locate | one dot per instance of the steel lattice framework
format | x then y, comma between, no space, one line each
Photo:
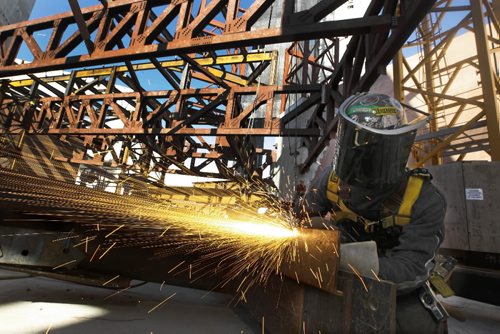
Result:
219,65
456,80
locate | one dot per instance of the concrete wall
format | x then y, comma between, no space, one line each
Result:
12,11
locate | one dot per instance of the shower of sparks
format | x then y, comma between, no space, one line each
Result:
237,239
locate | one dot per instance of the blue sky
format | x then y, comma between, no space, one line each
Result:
45,7
49,7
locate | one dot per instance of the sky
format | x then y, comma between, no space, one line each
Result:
44,8
49,7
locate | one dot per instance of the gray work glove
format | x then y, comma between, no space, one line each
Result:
362,256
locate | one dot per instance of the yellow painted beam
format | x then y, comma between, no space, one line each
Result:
175,65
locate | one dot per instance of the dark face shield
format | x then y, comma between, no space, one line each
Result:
372,158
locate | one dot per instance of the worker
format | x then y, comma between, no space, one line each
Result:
390,218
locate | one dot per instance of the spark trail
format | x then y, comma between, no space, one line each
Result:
235,239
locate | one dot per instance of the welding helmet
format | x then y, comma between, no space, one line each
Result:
373,140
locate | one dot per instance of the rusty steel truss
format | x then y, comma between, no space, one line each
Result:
178,86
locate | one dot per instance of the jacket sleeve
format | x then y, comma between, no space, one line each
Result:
316,202
409,264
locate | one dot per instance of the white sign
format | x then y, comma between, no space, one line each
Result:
474,194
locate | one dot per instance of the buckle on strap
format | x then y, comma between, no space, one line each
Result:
430,302
374,226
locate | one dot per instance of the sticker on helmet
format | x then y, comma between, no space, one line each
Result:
382,111
374,110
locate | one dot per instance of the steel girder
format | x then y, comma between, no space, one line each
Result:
111,25
233,102
458,86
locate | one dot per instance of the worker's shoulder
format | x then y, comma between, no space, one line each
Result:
429,194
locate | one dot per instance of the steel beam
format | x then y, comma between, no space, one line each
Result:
175,65
141,47
77,13
438,148
491,106
57,115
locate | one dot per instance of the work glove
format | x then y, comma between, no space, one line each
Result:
362,256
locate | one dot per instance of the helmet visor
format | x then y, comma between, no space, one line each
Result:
372,158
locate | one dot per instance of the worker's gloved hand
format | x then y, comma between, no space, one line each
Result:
362,256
